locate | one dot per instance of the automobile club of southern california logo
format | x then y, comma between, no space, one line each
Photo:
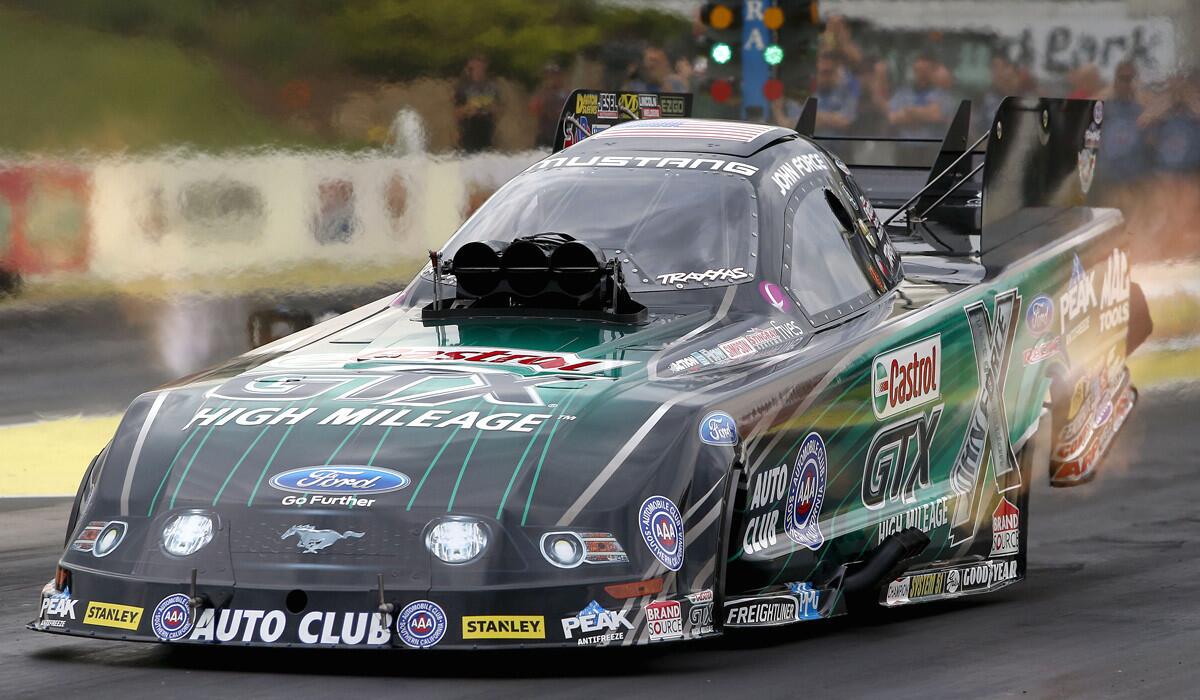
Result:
806,493
172,618
421,624
662,529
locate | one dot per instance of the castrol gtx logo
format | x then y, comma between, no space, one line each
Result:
907,377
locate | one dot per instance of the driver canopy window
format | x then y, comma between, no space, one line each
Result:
670,228
828,269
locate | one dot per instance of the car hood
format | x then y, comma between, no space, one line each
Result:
519,421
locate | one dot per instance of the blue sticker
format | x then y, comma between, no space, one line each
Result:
340,479
172,617
806,493
718,428
421,624
808,600
1040,314
662,529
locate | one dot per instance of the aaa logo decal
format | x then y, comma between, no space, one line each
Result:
662,529
421,624
806,493
172,618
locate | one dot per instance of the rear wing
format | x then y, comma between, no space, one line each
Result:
1039,160
588,112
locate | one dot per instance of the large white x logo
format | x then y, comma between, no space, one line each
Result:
988,425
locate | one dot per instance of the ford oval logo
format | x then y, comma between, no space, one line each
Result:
340,479
718,428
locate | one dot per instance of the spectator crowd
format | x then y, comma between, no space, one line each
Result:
1147,127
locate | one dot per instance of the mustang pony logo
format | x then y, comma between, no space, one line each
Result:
313,540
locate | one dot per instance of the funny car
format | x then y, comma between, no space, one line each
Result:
678,377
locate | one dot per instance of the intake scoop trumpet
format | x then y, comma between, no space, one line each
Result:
545,274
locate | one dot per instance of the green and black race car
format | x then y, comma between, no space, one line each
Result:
673,379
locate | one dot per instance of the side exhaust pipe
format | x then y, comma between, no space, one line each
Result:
882,560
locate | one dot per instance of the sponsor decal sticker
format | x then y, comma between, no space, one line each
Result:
897,591
126,617
927,585
610,624
607,107
987,574
616,161
664,620
890,475
953,578
531,360
1114,293
586,103
808,600
662,529
768,489
629,105
421,624
700,619
1006,528
806,493
172,618
731,274
718,428
773,294
1078,299
761,612
671,106
926,517
503,627
1040,314
649,106
1042,350
339,480
737,348
268,626
791,172
987,431
907,377
59,605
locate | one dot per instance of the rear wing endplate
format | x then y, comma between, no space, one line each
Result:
1039,160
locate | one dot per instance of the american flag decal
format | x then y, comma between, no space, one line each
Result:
688,129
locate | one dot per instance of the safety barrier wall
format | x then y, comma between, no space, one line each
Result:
194,214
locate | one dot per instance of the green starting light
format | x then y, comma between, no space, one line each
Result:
721,52
773,55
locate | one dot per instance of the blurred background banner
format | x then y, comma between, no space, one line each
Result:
181,181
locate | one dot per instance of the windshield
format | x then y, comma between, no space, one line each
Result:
671,229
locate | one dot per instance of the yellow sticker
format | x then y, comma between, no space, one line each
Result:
504,627
586,103
125,617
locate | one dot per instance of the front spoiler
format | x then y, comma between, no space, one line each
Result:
134,610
